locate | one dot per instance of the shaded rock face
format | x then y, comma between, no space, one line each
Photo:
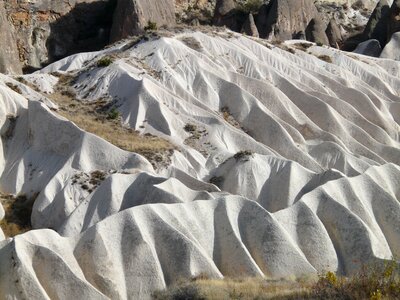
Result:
315,31
377,27
132,16
285,19
227,14
49,30
333,34
9,56
370,48
249,27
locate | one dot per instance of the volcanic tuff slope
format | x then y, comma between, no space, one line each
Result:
287,162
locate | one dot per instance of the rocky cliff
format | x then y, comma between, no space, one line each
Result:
42,31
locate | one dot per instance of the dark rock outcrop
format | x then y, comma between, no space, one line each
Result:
132,16
227,14
371,48
377,27
249,27
285,19
315,32
9,56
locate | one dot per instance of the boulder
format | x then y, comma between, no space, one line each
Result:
285,19
370,48
315,31
9,57
394,19
377,24
392,49
132,16
249,27
333,34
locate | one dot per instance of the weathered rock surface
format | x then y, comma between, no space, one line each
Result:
285,19
305,154
49,30
392,49
371,48
9,56
377,27
132,16
333,34
315,31
249,27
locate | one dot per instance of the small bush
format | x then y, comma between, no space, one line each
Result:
105,61
373,282
113,114
190,128
243,155
250,6
14,87
326,58
151,26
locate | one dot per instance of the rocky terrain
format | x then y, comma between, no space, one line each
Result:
190,150
40,32
284,160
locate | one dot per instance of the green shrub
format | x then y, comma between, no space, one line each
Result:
113,114
151,26
250,6
105,61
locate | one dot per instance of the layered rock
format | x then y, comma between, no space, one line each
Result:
9,56
132,16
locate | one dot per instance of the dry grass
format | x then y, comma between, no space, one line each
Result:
100,119
325,58
18,212
376,282
245,288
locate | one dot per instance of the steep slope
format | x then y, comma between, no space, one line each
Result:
286,162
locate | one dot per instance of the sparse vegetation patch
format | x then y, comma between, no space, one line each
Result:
105,61
103,119
18,210
243,155
325,58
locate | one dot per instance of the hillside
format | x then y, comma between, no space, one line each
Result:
255,159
